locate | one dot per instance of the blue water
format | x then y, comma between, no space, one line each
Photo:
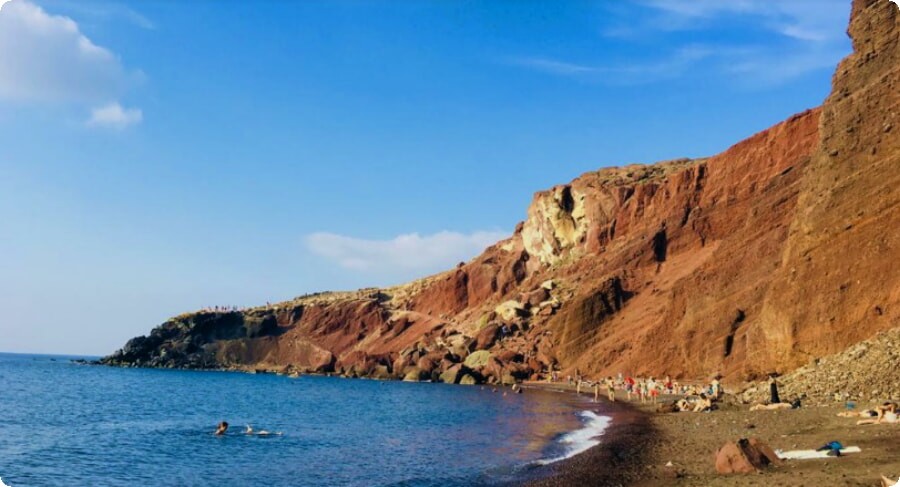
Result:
69,424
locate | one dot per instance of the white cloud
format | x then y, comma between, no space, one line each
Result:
412,251
46,58
115,116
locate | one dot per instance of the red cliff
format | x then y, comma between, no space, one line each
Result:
783,248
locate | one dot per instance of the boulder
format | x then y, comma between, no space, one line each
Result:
511,310
414,374
468,380
487,336
426,365
744,456
510,356
380,372
477,359
534,298
453,374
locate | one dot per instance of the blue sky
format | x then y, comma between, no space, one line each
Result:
163,156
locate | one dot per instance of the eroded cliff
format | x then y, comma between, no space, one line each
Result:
782,248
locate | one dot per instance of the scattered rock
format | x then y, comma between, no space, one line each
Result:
745,456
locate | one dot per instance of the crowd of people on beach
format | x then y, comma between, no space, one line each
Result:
694,397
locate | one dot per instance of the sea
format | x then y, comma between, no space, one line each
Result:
64,423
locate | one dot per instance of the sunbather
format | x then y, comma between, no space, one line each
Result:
703,404
886,413
770,407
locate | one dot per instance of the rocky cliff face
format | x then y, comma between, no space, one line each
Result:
783,248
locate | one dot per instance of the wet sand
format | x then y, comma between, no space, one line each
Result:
640,442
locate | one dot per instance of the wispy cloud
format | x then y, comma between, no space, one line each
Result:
801,36
553,66
407,252
114,116
672,64
105,11
810,20
45,58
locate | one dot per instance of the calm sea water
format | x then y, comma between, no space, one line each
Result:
68,424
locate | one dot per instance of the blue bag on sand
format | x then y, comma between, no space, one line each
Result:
834,448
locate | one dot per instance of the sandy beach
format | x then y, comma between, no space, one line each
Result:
640,443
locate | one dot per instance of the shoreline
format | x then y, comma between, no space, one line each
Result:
643,447
616,460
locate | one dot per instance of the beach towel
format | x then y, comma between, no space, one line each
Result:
812,454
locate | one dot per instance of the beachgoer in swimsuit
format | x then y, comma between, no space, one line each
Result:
611,389
887,413
221,428
629,387
771,407
703,404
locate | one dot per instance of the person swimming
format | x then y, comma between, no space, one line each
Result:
250,431
221,428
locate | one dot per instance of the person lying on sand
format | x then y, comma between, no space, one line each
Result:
703,404
865,413
886,413
221,428
770,407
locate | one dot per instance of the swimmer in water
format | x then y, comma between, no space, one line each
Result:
250,431
221,428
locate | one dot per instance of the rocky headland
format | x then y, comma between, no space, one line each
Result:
779,251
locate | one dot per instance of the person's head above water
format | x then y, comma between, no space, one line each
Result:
221,428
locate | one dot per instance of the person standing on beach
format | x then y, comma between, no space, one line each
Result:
611,389
597,391
629,387
773,389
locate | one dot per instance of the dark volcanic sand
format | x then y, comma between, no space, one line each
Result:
639,443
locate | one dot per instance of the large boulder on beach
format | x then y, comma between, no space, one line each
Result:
453,374
414,374
477,359
745,456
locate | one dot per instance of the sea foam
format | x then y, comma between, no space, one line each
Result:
582,439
